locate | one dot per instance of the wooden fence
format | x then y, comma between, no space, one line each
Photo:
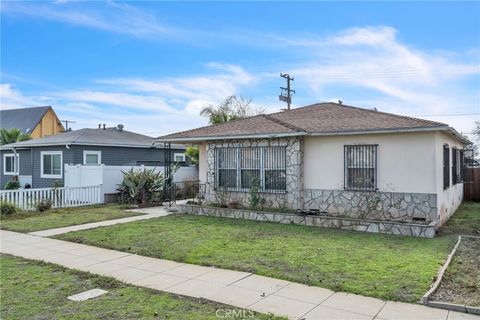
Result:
27,199
471,184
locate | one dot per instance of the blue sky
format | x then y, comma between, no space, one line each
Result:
153,65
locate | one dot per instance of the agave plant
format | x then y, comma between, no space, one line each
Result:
141,186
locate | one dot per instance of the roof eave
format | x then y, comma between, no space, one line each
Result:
395,130
323,133
9,147
231,137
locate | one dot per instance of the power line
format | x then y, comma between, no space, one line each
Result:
447,115
67,122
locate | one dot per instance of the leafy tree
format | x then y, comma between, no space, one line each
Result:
193,153
232,108
476,131
13,135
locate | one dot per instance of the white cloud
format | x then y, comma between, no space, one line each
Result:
373,60
209,86
152,107
125,100
109,16
12,98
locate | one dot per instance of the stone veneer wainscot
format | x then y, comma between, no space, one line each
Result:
412,206
374,226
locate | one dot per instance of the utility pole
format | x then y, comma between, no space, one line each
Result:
286,93
67,122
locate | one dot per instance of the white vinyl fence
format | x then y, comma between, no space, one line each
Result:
111,176
61,197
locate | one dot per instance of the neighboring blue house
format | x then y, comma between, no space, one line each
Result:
40,162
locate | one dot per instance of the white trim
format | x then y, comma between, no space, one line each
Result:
15,164
175,155
94,152
51,176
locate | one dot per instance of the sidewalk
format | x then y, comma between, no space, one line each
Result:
239,289
149,213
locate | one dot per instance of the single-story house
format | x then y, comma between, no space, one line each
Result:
342,160
40,162
38,122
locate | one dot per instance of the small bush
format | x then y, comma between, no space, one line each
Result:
12,185
7,208
44,205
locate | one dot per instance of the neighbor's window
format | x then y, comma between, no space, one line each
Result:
460,166
237,168
360,167
446,167
9,164
457,166
51,164
92,157
179,157
454,166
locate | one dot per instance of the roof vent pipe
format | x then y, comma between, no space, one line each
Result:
104,126
120,127
99,126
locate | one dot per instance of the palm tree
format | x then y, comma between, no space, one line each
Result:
13,135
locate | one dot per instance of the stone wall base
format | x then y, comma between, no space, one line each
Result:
375,226
385,206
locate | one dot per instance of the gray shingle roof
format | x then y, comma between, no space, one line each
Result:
317,119
96,137
25,119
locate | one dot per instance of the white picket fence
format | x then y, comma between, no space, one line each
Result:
61,197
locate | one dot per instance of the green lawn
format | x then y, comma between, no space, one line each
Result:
35,290
383,266
466,220
25,221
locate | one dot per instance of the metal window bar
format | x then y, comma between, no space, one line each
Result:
360,171
237,167
446,167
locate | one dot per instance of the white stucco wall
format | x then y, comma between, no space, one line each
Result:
448,199
406,161
202,165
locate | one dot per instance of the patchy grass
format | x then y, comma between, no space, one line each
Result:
461,282
466,220
383,266
36,290
25,221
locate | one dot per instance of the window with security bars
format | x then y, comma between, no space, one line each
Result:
238,168
360,167
446,167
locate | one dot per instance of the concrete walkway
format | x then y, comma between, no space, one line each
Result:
239,289
148,213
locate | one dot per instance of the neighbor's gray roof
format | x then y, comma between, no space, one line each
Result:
25,119
317,119
92,137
